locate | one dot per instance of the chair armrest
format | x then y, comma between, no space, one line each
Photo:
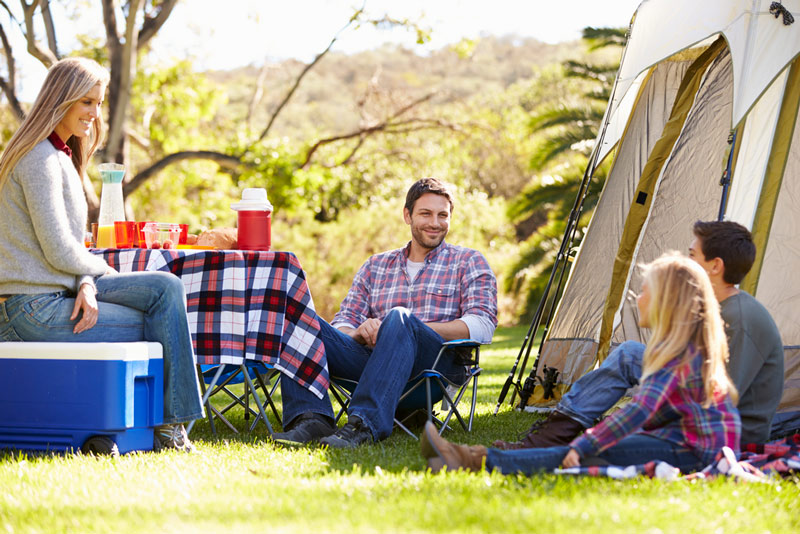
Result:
461,346
462,343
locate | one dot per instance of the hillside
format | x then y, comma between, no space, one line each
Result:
327,100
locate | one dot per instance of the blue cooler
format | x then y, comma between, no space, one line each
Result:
98,397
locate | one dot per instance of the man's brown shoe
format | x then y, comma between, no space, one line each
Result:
441,453
558,429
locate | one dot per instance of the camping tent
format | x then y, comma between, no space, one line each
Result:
692,74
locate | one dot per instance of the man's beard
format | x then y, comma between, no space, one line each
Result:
427,242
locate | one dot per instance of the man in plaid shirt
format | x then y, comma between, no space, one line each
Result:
402,306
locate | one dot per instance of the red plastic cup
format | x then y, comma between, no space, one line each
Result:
255,230
124,232
184,234
140,231
135,242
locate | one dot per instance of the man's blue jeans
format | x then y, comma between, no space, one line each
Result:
404,348
631,450
149,306
598,390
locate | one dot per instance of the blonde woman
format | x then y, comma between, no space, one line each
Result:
684,412
51,287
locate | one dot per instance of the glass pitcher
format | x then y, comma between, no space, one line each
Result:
112,207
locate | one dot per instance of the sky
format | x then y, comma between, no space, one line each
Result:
302,28
250,32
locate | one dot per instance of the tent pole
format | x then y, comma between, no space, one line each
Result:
560,262
725,181
564,249
566,244
536,322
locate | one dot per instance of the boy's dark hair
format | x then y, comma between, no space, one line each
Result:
427,185
729,241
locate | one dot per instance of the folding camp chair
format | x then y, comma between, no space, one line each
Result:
255,376
428,388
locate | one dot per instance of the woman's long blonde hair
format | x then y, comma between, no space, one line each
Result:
683,310
67,81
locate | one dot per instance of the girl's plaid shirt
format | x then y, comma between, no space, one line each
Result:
669,406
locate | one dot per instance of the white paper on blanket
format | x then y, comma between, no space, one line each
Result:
663,471
730,466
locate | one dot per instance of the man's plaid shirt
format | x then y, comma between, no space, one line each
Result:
455,281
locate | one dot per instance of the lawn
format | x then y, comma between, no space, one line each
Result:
243,483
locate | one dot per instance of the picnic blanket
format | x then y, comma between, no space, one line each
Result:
756,463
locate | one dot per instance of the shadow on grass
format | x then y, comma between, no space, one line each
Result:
395,454
400,451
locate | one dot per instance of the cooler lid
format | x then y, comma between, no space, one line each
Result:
29,350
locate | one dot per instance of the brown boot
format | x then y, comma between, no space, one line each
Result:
557,429
441,453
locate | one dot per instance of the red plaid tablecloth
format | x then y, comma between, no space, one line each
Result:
243,305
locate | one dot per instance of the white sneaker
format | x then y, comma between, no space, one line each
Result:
171,437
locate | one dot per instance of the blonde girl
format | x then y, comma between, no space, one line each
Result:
684,411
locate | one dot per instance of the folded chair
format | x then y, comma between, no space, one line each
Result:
254,375
428,388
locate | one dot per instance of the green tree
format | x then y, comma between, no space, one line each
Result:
128,30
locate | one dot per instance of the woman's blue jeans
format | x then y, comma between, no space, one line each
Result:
631,450
405,347
141,306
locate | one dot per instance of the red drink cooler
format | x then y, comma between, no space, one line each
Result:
255,230
255,219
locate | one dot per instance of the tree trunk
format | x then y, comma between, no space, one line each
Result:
35,48
49,28
123,68
9,85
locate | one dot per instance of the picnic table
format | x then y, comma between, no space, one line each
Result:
243,305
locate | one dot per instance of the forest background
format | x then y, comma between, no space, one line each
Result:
337,141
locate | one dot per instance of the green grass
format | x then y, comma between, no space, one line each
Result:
242,483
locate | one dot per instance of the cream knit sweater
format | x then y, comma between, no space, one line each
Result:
43,215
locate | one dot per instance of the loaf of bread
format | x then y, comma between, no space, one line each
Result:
221,238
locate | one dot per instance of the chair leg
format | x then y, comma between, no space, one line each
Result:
217,387
474,400
428,403
205,401
246,396
454,405
221,416
262,414
407,431
342,397
268,394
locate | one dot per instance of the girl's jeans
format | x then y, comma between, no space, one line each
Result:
631,450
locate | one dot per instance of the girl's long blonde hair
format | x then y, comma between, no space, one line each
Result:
683,310
67,81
